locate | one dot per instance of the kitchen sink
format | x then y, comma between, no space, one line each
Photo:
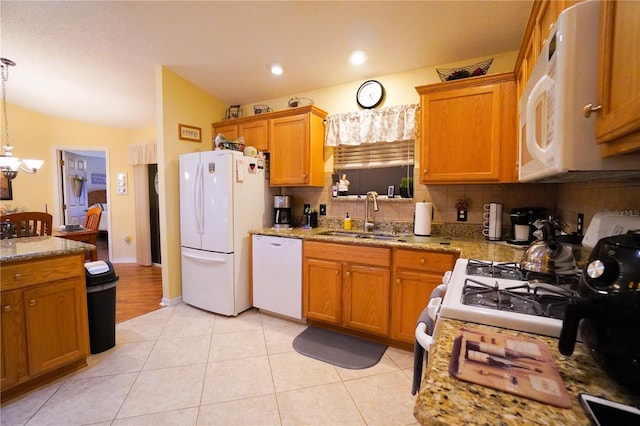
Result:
361,235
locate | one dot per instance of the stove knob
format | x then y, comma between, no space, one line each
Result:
605,271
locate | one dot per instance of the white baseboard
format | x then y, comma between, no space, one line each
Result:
171,302
124,260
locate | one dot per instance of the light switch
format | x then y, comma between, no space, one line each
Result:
123,186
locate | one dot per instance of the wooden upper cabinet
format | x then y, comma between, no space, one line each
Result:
544,14
293,137
297,149
230,131
618,122
255,133
468,130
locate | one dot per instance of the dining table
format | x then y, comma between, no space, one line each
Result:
84,235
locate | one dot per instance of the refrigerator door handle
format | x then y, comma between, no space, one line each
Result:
198,199
203,259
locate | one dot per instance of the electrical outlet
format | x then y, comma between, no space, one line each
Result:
307,207
462,216
580,224
323,209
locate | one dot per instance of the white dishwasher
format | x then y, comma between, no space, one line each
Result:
277,275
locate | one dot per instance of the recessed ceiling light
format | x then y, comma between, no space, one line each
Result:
276,69
358,57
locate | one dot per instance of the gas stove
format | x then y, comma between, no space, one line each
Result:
504,295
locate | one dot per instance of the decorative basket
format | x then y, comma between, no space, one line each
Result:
259,109
298,102
473,70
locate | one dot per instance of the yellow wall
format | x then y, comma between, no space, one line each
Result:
180,102
399,87
39,136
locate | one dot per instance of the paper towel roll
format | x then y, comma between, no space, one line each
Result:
422,221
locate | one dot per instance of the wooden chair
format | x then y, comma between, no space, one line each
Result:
92,220
26,224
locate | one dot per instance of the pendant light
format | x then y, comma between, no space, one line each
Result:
10,165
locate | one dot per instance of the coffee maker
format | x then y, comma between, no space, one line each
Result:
522,227
282,211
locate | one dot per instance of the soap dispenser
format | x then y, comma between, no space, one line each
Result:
347,221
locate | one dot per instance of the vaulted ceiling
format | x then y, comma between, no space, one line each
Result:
96,61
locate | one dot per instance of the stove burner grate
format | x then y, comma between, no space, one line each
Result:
508,271
540,300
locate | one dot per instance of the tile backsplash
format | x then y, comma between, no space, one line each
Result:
564,200
620,198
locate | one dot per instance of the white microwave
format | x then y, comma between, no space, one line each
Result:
556,140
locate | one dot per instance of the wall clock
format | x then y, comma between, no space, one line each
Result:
370,94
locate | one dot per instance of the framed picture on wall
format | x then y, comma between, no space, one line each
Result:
6,192
189,133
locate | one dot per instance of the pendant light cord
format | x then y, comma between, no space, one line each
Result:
6,63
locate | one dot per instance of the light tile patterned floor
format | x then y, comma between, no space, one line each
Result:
183,366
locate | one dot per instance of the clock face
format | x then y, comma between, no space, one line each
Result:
370,94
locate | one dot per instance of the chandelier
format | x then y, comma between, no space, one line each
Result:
10,165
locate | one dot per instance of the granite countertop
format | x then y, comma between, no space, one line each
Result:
466,247
18,249
445,400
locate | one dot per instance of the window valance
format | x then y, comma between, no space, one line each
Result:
396,123
143,153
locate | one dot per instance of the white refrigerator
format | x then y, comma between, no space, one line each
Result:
223,194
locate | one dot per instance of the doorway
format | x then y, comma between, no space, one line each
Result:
83,181
154,213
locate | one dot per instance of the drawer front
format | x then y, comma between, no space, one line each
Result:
19,274
366,255
427,261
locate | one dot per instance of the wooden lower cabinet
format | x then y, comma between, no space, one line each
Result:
366,298
44,321
323,290
352,287
13,341
347,286
415,274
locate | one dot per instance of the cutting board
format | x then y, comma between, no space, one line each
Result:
518,365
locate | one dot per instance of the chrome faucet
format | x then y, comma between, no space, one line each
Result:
368,226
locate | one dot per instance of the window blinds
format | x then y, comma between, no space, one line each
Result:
374,155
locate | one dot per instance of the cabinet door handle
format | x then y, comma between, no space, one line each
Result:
7,308
589,108
422,261
32,302
17,277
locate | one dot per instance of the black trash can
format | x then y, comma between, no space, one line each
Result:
101,282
